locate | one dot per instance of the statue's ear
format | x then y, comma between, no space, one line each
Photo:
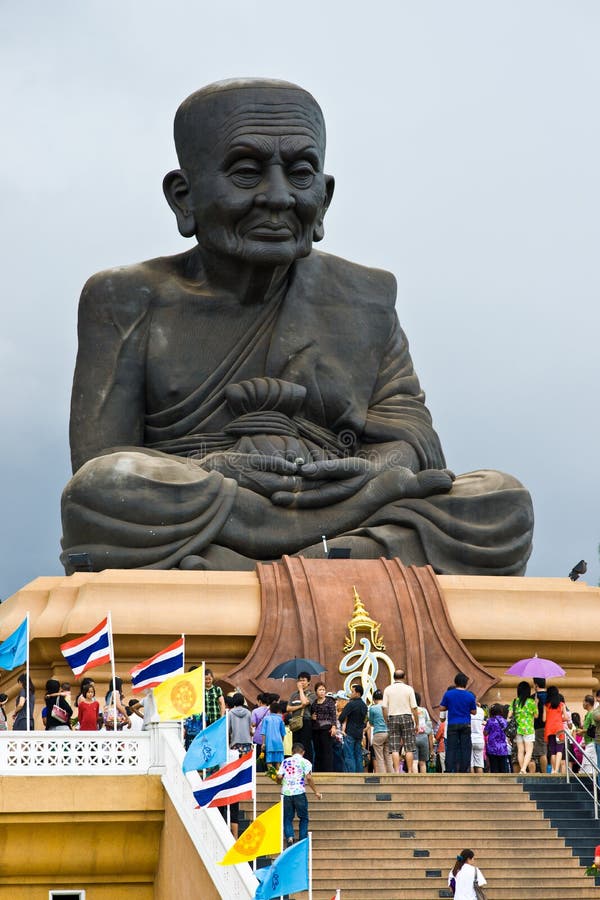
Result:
176,187
319,230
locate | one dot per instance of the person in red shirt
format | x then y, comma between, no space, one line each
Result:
88,710
555,717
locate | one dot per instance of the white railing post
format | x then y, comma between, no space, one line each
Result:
158,758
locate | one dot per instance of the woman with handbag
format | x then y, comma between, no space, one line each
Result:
524,710
112,702
465,880
58,709
424,738
324,716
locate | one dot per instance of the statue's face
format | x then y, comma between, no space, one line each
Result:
257,188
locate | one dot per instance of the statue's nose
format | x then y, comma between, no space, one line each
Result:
276,192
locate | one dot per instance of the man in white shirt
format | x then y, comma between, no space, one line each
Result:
400,712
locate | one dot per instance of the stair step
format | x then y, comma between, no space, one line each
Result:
431,888
403,858
446,847
358,848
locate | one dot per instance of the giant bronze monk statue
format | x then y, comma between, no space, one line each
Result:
237,401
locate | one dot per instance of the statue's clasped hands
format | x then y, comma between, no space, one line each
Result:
314,484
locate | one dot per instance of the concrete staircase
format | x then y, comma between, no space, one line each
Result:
570,810
396,837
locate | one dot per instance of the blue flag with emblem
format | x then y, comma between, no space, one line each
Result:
13,651
287,874
209,748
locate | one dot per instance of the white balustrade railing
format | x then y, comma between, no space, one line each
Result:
75,753
157,751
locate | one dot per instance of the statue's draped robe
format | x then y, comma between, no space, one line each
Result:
324,372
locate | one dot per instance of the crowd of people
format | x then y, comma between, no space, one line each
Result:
526,736
340,733
65,710
395,733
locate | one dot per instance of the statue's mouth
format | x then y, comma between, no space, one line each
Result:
270,231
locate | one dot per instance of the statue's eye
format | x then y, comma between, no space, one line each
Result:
301,174
246,173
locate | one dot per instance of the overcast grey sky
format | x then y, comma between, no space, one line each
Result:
465,141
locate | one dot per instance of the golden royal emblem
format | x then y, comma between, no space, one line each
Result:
362,621
184,697
363,662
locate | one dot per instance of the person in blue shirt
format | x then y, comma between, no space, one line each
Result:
459,704
273,733
379,736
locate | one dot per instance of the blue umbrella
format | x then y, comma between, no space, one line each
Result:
292,668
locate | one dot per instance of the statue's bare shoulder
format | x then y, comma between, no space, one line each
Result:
363,284
126,293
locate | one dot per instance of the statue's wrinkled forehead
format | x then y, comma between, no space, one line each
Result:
211,119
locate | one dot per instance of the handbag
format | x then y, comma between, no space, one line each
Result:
296,720
109,715
479,890
511,726
59,713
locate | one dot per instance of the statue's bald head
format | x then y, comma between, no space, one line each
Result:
251,155
220,110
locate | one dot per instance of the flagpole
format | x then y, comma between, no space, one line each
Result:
182,721
27,671
203,704
203,695
282,834
112,669
254,749
226,761
310,865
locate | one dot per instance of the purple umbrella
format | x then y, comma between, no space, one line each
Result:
536,667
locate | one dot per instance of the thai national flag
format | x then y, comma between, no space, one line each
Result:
234,782
155,670
93,649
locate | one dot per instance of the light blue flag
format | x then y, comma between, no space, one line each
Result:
289,873
209,748
13,651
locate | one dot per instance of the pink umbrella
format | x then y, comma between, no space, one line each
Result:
536,667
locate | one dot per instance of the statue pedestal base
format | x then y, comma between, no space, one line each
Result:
241,622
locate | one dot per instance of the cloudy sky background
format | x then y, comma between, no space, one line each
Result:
465,141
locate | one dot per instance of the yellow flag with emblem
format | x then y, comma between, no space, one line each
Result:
181,696
261,838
